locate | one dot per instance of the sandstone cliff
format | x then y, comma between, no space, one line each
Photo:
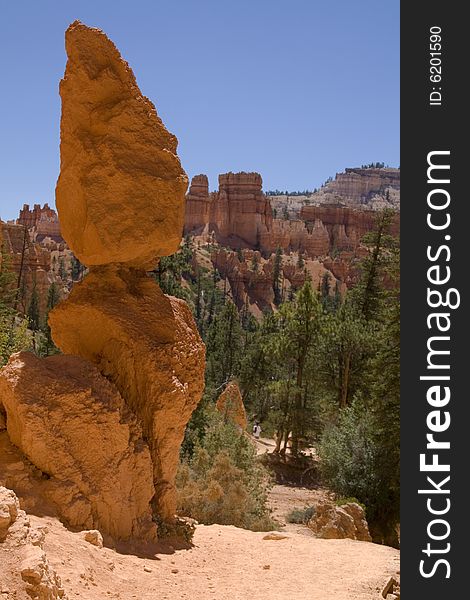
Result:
238,212
358,187
41,222
239,215
33,265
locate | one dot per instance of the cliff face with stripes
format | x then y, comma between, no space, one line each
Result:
239,215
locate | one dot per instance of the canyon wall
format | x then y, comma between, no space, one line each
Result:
239,215
357,187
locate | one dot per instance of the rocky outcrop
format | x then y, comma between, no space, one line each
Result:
250,277
41,222
145,342
238,213
230,405
31,266
148,345
74,426
19,541
198,206
360,186
118,162
345,226
338,522
240,216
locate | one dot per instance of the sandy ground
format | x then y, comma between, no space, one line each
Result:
225,563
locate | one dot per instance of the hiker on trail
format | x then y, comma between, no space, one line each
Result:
256,430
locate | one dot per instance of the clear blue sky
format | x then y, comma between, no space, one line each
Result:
294,89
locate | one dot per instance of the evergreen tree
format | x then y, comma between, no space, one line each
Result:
77,269
369,292
33,309
224,342
47,346
62,271
277,272
294,348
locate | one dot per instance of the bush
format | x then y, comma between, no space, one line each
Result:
224,482
355,466
301,516
342,501
348,455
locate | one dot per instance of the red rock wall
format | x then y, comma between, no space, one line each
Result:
240,216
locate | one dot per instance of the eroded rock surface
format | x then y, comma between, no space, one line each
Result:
24,569
120,194
339,522
74,426
148,345
230,405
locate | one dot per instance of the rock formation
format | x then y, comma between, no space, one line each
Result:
357,187
240,216
338,522
250,279
198,205
238,212
40,222
31,265
74,426
35,578
250,276
345,226
107,436
118,162
230,405
148,345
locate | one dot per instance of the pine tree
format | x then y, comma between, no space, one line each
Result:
33,309
62,271
224,343
295,346
277,271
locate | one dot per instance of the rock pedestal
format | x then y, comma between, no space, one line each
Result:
105,426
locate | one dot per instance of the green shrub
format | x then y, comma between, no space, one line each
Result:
301,516
342,501
355,466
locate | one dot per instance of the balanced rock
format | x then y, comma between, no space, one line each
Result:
148,345
120,193
73,425
230,405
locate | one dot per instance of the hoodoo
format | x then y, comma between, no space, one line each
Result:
141,368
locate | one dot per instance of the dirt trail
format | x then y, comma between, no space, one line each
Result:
225,563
